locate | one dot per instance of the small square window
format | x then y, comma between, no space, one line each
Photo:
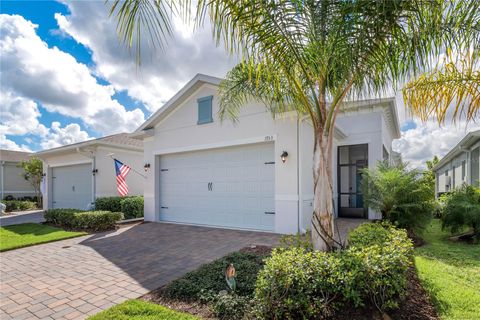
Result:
205,110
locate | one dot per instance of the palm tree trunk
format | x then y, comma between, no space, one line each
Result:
322,220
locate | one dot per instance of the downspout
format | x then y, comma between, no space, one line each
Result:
298,175
3,179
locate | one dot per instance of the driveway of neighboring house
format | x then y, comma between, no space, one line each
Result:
74,278
34,216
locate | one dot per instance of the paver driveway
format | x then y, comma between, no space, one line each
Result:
74,278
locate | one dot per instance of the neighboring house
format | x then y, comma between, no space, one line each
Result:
207,172
12,182
77,174
460,165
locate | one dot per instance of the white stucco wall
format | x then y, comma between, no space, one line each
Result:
179,132
103,183
453,169
12,181
105,179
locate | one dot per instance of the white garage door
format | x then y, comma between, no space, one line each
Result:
72,186
229,187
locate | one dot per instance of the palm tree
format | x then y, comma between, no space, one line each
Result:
310,56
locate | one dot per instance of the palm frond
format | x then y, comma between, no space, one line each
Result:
454,85
137,18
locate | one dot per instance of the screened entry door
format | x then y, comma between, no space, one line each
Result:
351,160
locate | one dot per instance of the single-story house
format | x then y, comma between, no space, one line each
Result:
460,166
257,173
12,182
77,174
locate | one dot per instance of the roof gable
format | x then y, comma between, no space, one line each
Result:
177,99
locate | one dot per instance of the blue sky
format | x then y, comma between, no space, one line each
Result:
66,78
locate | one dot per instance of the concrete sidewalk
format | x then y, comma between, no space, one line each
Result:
33,216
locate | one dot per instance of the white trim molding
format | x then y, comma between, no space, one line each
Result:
222,144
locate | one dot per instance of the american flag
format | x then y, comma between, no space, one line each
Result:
121,171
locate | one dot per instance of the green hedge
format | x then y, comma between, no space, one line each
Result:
299,284
83,220
16,205
132,207
108,204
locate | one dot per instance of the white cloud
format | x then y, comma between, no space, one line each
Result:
11,145
19,116
429,139
32,70
162,72
58,136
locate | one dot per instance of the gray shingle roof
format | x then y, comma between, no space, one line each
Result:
123,139
13,156
119,139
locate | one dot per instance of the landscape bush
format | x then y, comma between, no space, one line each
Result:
210,278
61,217
227,305
83,220
400,194
296,283
108,204
132,207
96,220
461,209
17,205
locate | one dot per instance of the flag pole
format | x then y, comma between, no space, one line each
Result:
145,177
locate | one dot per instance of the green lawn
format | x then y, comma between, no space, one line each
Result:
141,310
28,234
450,272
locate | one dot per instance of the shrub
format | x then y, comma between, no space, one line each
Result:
298,284
61,217
96,220
83,220
16,205
229,306
298,241
108,204
461,208
132,207
210,278
401,195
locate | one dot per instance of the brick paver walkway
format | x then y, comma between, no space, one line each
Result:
74,278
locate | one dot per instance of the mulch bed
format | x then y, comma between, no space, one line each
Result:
416,305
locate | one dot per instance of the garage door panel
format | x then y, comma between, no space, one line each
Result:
72,186
242,187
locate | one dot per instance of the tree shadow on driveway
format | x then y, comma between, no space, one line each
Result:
155,253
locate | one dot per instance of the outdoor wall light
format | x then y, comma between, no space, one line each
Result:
146,166
284,156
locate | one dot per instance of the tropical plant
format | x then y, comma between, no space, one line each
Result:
453,84
428,175
310,56
33,173
399,194
461,209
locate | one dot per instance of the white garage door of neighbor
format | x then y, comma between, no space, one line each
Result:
230,187
72,186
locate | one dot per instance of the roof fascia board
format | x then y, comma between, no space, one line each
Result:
457,149
181,94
